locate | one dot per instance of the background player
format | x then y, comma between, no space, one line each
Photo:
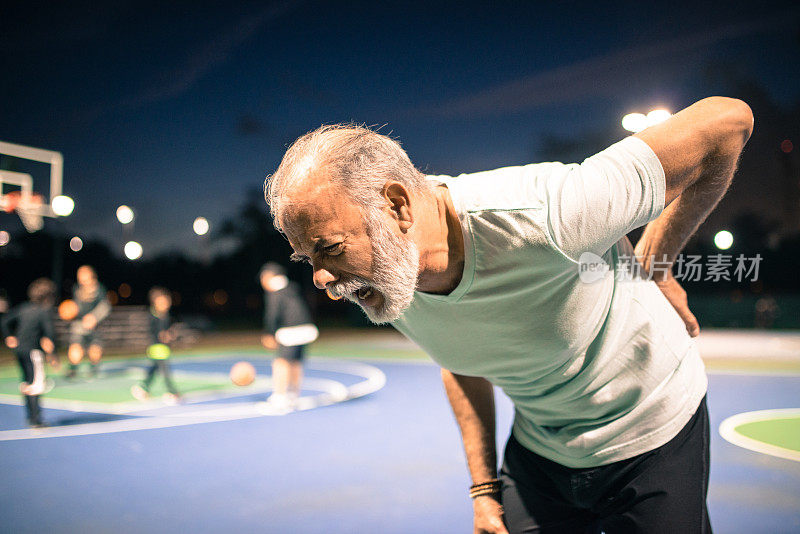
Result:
28,330
161,335
287,328
93,307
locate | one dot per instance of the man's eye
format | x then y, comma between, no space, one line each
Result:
333,250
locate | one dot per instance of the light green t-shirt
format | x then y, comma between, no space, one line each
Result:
598,372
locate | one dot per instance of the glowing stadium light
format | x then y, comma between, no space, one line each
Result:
657,115
201,226
75,244
124,214
634,122
723,240
133,250
5,237
62,205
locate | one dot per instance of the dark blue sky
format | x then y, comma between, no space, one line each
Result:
177,110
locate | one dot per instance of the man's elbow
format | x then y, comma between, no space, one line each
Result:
733,119
742,118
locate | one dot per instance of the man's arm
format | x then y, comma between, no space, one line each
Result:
472,400
100,311
698,148
700,143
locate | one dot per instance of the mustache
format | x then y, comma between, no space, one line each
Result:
347,288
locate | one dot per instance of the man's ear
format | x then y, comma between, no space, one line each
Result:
399,204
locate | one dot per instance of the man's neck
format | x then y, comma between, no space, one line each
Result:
441,245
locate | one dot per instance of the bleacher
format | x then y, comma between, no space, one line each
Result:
126,327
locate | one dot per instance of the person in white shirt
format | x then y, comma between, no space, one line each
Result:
484,272
288,329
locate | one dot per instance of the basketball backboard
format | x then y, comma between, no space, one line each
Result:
17,190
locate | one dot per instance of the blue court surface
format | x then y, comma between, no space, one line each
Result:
373,448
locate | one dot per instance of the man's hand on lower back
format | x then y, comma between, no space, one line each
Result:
488,516
677,297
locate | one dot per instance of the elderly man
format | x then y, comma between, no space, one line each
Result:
483,272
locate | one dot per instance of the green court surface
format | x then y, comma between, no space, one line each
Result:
112,388
780,432
113,385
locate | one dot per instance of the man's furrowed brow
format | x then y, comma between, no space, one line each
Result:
320,244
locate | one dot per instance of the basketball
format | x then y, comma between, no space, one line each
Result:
243,373
68,310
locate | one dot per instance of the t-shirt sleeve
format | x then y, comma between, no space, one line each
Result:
592,205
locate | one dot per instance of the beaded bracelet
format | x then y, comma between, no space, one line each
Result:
485,488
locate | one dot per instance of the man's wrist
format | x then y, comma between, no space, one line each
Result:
656,265
489,487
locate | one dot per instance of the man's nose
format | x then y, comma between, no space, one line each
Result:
323,277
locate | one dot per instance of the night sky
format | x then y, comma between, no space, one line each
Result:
179,110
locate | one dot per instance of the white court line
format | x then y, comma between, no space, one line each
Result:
332,392
728,431
259,386
753,372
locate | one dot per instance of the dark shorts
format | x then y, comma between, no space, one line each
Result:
79,336
295,353
661,491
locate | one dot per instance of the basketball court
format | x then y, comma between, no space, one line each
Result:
373,447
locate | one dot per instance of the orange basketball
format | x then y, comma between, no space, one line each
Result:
68,310
243,373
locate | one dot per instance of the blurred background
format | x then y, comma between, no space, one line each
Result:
180,110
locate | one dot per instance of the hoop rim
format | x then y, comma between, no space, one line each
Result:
13,200
28,207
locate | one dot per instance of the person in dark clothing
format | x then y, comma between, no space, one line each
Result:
28,331
287,329
93,306
161,335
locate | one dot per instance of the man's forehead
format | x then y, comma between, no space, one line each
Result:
316,212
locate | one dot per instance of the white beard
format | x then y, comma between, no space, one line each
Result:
395,262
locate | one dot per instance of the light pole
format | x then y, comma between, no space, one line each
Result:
126,217
62,206
201,227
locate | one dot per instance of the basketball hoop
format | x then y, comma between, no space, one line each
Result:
28,206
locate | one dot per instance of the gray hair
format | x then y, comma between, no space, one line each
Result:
357,160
